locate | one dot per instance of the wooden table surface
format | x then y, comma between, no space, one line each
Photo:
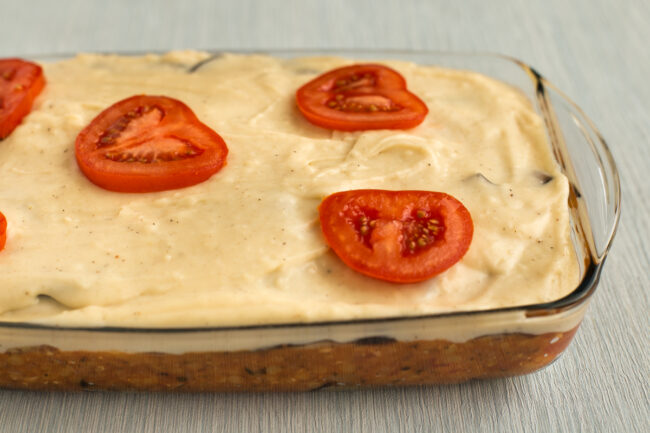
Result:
595,50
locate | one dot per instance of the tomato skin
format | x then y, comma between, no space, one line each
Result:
3,231
396,236
371,96
20,83
118,156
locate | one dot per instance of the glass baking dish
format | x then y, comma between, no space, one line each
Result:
431,349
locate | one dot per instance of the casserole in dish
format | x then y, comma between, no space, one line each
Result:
66,333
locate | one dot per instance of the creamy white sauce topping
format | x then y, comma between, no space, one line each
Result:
245,247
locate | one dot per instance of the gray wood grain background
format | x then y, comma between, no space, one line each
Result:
595,50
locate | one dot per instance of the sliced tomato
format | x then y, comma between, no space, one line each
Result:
20,84
149,143
397,236
3,231
359,97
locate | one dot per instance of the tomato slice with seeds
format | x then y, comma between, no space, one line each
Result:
3,231
396,236
149,143
360,97
20,84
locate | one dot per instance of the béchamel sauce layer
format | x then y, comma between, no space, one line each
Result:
245,247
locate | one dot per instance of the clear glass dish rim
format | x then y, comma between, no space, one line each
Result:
577,297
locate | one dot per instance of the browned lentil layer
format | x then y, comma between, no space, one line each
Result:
286,368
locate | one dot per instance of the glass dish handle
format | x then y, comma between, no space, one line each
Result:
590,167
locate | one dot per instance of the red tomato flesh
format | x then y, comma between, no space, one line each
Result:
396,236
360,97
20,84
3,231
149,143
